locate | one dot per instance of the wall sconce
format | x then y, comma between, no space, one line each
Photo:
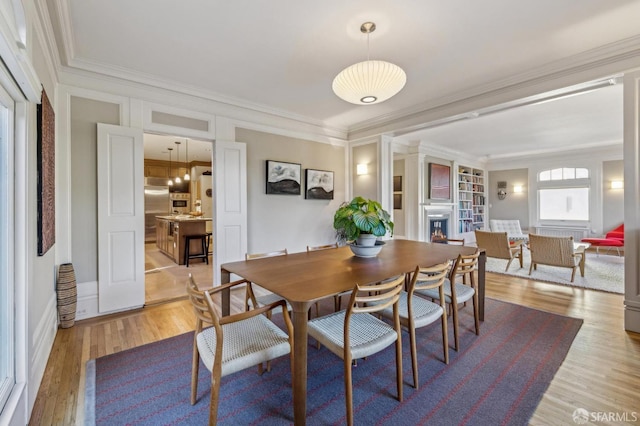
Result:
517,189
362,169
617,184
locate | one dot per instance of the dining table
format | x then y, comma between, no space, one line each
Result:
304,278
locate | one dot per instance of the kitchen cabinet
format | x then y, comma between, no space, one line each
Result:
161,169
171,232
164,236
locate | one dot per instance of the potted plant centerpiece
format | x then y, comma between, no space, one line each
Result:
360,222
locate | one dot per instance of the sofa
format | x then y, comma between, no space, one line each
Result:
613,238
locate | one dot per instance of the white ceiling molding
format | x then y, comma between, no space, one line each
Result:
552,76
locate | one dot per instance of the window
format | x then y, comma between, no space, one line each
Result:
564,195
7,346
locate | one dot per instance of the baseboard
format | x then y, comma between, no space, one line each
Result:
632,318
87,305
41,344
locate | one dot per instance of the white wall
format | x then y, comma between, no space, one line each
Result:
289,221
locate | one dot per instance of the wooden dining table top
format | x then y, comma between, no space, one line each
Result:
311,276
306,277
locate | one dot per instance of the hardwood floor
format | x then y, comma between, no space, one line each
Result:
164,279
600,374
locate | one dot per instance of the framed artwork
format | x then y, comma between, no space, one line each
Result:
283,178
318,184
46,151
439,182
397,201
397,184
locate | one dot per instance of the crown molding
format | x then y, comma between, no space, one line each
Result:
44,31
606,151
76,66
593,64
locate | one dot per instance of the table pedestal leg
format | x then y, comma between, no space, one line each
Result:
300,338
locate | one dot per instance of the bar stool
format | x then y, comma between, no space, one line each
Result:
203,253
209,234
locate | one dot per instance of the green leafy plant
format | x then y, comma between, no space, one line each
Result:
361,216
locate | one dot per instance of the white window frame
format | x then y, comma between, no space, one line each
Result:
565,183
7,237
13,408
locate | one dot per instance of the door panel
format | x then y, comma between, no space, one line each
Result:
230,203
120,218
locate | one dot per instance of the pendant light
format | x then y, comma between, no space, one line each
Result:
170,182
186,175
369,82
178,180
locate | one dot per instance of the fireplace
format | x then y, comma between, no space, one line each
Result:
438,221
438,229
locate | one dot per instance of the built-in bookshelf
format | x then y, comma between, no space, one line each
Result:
471,199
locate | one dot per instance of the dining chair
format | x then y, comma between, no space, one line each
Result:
459,292
234,342
354,333
416,312
265,299
337,299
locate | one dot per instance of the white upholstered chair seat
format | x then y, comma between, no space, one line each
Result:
463,292
246,343
424,311
511,227
368,334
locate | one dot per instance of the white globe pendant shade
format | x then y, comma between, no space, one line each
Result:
369,82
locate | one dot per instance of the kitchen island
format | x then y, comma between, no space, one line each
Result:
171,232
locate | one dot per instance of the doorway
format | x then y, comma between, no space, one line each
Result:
187,164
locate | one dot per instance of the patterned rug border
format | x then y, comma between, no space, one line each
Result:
572,325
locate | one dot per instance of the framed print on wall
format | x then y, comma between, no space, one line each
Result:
46,151
439,181
318,184
283,178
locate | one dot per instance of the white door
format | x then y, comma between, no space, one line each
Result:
230,204
120,218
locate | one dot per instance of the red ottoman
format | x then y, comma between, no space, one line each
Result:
604,242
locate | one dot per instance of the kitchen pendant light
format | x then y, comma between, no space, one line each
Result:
369,82
186,175
177,179
170,182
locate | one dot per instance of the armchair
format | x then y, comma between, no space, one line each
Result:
556,251
497,244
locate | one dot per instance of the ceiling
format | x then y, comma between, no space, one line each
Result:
281,57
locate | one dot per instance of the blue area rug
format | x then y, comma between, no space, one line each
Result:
498,377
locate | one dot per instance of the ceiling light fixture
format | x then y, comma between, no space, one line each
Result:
186,175
369,82
170,182
178,180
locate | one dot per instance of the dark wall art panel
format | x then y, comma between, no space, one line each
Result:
46,147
